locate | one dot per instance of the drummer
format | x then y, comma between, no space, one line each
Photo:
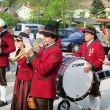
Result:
93,52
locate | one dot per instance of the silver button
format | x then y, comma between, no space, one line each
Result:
18,66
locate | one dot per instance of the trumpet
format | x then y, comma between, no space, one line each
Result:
23,53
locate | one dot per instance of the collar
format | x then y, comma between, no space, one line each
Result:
3,31
50,45
88,43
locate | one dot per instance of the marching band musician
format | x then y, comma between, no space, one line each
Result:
46,65
93,52
6,47
105,38
24,73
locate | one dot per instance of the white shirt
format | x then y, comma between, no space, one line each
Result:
31,37
88,43
49,45
3,31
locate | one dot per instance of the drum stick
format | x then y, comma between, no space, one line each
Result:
100,59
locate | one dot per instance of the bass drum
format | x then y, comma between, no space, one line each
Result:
72,82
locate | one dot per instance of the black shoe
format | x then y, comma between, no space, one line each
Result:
88,109
2,103
57,97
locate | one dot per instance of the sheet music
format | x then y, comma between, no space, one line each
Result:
27,43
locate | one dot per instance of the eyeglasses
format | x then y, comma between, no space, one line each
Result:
17,40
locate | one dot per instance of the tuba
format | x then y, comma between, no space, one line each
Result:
37,44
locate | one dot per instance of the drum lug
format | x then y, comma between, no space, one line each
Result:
64,64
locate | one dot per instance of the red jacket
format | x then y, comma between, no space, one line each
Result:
94,54
46,65
7,46
24,70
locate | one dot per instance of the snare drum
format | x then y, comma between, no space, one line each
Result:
76,83
103,74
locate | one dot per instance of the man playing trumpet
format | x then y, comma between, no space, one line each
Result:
46,65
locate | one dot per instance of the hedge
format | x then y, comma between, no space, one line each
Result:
10,20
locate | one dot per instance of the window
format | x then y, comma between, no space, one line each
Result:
18,28
61,32
108,3
82,14
32,28
108,12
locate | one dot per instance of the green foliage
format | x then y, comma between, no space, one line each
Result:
107,24
97,9
82,25
89,25
42,21
10,21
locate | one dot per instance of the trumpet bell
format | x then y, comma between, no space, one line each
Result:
37,42
12,61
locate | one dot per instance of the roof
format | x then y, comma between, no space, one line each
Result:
102,20
88,3
87,20
12,10
31,8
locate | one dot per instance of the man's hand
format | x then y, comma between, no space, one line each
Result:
106,61
29,51
88,67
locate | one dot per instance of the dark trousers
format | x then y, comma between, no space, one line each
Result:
3,76
44,103
95,88
106,49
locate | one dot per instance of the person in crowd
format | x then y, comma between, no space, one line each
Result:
95,57
105,38
23,77
38,35
31,35
6,47
46,65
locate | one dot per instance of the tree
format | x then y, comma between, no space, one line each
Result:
10,21
61,10
97,9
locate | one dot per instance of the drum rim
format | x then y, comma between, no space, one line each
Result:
89,89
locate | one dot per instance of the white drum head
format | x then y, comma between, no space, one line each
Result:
76,82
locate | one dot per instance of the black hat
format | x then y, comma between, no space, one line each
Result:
91,31
49,30
21,35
